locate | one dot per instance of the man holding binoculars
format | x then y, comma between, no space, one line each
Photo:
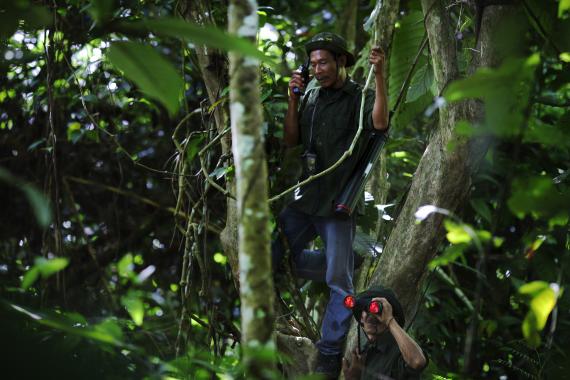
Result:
389,352
323,116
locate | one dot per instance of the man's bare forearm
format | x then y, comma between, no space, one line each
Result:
380,110
411,352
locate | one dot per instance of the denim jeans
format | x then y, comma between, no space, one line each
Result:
333,264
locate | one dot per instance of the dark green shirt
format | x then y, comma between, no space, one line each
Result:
328,121
384,361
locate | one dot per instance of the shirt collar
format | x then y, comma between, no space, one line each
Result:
350,86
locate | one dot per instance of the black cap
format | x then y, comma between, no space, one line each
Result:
331,42
382,292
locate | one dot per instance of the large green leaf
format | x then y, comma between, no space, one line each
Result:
407,40
543,299
150,71
204,35
422,81
45,268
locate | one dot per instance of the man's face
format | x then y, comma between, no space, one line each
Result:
324,67
371,324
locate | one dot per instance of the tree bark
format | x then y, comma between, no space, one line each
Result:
256,279
443,176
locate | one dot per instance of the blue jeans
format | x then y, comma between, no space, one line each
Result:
333,264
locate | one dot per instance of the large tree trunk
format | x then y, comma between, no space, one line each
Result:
256,280
443,176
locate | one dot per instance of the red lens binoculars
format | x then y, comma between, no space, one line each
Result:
359,304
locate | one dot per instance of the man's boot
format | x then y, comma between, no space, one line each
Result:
328,365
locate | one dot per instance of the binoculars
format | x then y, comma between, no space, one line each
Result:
360,304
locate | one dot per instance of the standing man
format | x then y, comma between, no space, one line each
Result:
324,121
389,353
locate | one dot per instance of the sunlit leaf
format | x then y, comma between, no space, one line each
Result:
134,304
456,233
125,266
542,302
451,254
563,6
45,268
30,277
533,288
48,267
150,71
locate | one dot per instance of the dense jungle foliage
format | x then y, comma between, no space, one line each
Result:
111,264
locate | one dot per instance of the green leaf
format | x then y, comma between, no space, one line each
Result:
150,71
134,304
422,82
193,147
456,233
407,40
563,6
543,300
48,267
125,266
45,268
450,255
30,277
40,205
533,288
203,35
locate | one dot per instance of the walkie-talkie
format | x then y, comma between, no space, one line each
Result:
304,71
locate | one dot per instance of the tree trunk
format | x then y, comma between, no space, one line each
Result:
256,279
443,175
213,65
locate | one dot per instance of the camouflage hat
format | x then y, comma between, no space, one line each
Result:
331,42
